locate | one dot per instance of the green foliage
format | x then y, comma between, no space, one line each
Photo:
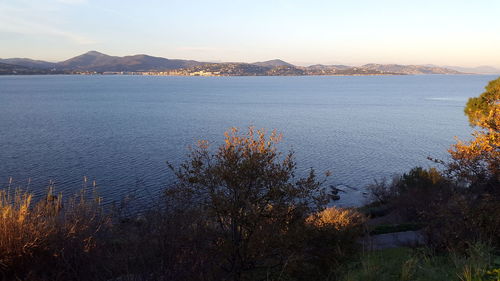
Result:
478,108
476,163
420,179
400,264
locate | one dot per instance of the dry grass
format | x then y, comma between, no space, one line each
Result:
338,218
331,240
50,239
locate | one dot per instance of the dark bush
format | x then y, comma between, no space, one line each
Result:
411,194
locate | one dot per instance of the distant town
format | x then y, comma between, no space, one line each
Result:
94,62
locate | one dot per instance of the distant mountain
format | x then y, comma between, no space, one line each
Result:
6,68
9,69
90,61
273,63
328,67
95,61
25,62
409,69
484,69
246,69
321,69
224,69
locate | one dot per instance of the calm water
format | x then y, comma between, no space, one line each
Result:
120,130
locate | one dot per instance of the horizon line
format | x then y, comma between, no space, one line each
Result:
295,63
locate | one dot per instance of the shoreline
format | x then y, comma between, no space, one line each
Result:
178,75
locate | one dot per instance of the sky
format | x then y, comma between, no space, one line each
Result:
303,32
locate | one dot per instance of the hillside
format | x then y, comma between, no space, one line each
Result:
246,69
484,69
273,63
96,62
281,68
9,69
409,69
99,62
224,69
320,69
29,63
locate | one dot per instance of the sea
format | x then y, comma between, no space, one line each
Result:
118,132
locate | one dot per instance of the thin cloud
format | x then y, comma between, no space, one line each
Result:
15,24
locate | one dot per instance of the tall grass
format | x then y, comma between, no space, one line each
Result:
52,239
400,264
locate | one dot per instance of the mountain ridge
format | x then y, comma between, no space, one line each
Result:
30,63
273,63
410,69
482,69
97,62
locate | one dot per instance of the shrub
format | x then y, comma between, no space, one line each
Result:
252,202
383,192
412,193
337,218
460,222
419,190
331,239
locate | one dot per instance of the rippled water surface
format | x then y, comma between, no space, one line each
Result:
121,130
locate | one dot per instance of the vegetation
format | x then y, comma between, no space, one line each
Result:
9,69
238,212
400,264
249,198
477,163
479,108
50,240
255,208
458,208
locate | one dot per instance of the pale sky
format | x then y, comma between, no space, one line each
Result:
441,32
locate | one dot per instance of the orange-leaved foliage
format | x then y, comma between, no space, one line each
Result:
478,160
337,218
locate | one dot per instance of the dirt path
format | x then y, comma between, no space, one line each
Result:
392,240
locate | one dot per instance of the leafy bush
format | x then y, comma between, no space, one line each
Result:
330,241
412,193
460,222
252,202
